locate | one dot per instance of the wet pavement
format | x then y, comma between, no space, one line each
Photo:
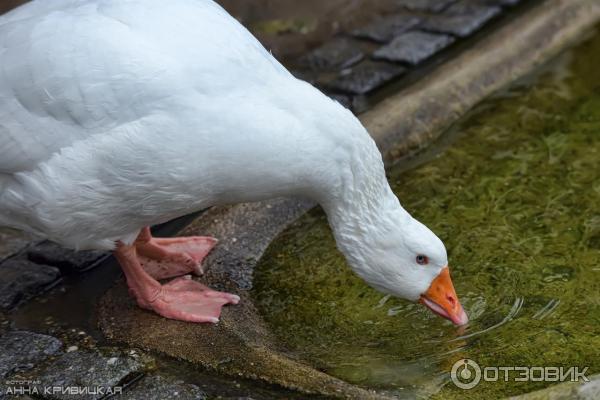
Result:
21,280
22,350
67,261
90,369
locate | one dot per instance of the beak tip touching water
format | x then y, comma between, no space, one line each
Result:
441,299
462,318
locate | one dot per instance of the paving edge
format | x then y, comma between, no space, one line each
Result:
241,343
589,390
416,116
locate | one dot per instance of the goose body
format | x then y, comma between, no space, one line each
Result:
119,114
186,98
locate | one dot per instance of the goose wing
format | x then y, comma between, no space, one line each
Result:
70,69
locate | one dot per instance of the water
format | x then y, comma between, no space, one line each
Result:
514,192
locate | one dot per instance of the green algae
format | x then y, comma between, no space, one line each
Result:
513,190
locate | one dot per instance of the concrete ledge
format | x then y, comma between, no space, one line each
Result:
566,391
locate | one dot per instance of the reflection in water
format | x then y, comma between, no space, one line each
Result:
516,198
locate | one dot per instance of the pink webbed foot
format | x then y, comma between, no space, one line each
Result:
184,299
170,257
181,299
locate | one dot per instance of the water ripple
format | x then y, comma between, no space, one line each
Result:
547,309
516,308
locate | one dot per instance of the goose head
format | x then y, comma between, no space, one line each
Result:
404,258
398,255
384,245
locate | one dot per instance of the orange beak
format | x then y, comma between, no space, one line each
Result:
441,299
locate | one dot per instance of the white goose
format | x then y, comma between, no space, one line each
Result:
119,114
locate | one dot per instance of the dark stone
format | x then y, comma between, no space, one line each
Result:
20,280
425,5
413,47
156,387
308,76
385,29
503,3
462,21
366,77
335,54
22,350
343,99
68,261
240,398
357,104
13,397
94,371
360,104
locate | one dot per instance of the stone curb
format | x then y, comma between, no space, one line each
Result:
566,391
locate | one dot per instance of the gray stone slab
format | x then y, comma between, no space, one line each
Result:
336,54
471,7
21,279
462,21
156,387
385,29
89,371
68,261
413,47
365,77
22,350
425,5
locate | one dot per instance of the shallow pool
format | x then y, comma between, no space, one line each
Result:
514,192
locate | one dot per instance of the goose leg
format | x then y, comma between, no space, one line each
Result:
182,299
169,257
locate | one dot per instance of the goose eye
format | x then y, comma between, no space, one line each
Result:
422,260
